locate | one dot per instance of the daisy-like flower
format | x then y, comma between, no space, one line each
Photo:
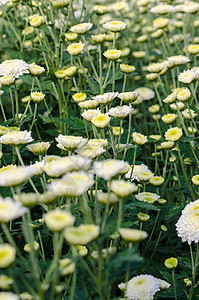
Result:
193,48
98,38
178,105
39,148
14,67
128,96
184,95
189,114
7,80
173,134
70,36
132,235
187,76
101,120
152,76
169,118
139,54
162,9
27,199
136,170
73,184
145,176
171,98
75,48
12,175
156,68
90,113
142,287
114,26
139,138
7,255
37,96
79,97
67,142
108,168
81,235
112,54
167,145
10,210
35,69
147,197
123,188
178,60
120,111
106,97
154,109
127,69
160,23
5,282
37,21
58,220
60,3
90,151
98,142
88,104
145,93
16,138
157,180
81,28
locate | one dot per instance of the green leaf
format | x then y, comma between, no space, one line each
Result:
145,205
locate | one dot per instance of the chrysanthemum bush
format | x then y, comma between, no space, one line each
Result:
99,150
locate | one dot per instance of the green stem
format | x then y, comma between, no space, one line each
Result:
174,284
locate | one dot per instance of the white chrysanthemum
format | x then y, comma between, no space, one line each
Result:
81,235
10,210
39,148
188,223
123,188
145,93
73,184
178,60
128,96
12,175
14,67
136,170
114,26
98,142
81,28
162,9
106,97
90,151
66,164
187,76
67,142
90,113
108,168
147,197
142,287
16,138
120,111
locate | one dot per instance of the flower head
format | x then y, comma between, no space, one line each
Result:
171,263
108,168
123,188
58,219
187,76
173,134
145,93
14,67
10,210
147,197
67,142
16,138
120,111
101,120
142,287
112,54
139,138
75,48
81,28
114,26
7,255
188,223
81,235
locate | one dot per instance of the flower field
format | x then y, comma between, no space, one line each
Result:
99,150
